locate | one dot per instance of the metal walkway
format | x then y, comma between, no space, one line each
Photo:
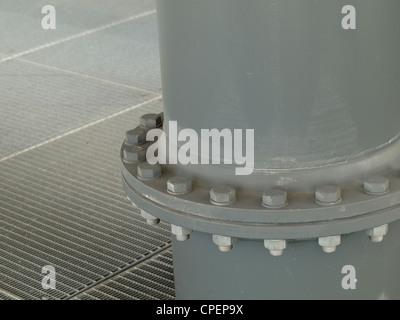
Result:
67,97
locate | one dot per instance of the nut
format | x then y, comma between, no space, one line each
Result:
136,136
224,243
376,185
222,195
134,154
330,243
376,234
147,171
151,220
151,120
181,233
179,185
328,195
274,199
275,247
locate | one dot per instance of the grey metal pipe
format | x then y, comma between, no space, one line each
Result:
323,102
316,94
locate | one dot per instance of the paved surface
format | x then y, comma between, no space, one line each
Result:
67,97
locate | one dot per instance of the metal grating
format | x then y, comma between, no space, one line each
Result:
152,280
39,103
62,204
21,20
67,98
131,60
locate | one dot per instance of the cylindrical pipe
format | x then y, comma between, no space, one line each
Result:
323,102
303,271
314,93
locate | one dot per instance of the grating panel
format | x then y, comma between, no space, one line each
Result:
65,103
5,296
22,20
38,103
127,53
62,204
148,281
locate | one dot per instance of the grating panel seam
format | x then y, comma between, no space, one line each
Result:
123,270
135,286
84,75
76,36
81,248
97,229
60,262
79,128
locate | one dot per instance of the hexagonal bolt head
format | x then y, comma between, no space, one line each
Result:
224,243
136,136
274,199
151,120
329,244
134,154
148,171
328,195
151,220
376,185
181,233
222,195
275,247
376,234
179,185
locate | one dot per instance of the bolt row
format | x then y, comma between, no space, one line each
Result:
328,244
275,247
222,195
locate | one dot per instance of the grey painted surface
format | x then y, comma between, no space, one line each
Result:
302,272
314,93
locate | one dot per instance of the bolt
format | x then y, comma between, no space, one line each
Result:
147,171
275,247
181,233
329,244
179,185
274,199
222,195
151,220
328,195
134,154
151,120
136,136
376,185
376,234
224,243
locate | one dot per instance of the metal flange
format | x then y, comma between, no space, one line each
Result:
246,217
274,216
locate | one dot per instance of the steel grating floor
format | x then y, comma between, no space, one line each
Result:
67,97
